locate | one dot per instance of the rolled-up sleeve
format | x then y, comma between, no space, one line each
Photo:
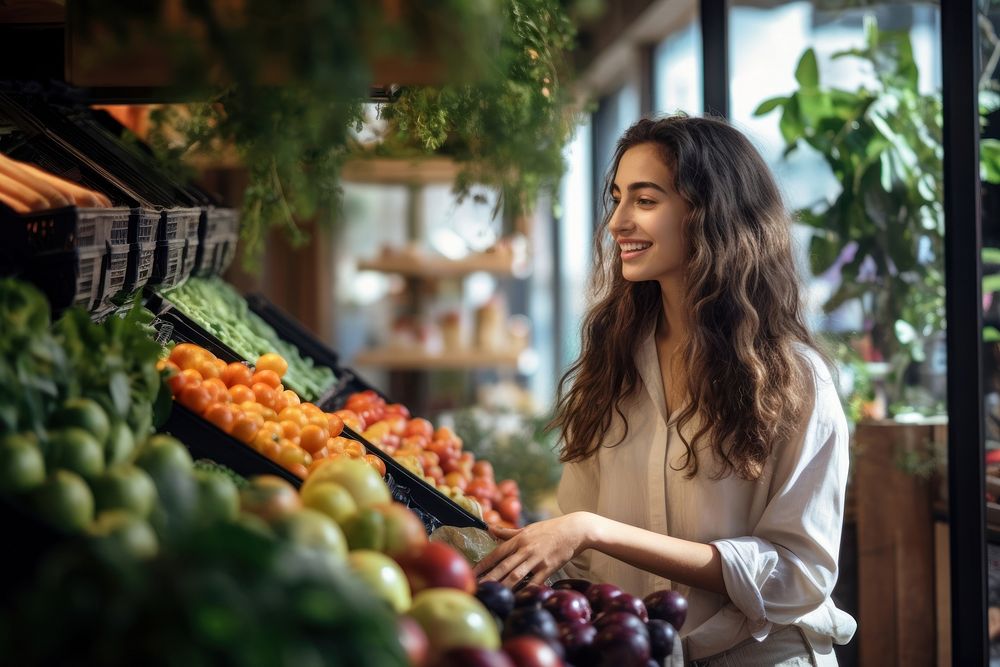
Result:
788,567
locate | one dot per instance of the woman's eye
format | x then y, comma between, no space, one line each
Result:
642,201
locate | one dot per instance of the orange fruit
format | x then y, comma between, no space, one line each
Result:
313,438
375,462
289,429
221,415
217,388
270,378
320,420
295,415
245,429
268,414
264,393
291,455
241,393
334,424
280,402
354,449
310,409
191,377
263,438
208,368
298,470
196,398
271,449
351,419
185,355
291,397
236,373
272,362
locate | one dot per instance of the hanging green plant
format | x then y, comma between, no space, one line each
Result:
508,129
283,86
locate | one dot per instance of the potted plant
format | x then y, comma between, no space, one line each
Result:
884,231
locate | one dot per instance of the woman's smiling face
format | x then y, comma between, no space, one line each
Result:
647,223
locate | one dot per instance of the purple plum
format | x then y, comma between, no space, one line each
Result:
599,595
629,603
661,638
568,605
667,605
532,595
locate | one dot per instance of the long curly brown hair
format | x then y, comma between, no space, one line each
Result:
741,289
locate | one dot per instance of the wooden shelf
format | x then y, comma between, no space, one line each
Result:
417,171
440,267
401,358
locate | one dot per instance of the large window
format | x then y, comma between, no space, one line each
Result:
677,72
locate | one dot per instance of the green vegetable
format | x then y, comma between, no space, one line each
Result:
211,466
219,309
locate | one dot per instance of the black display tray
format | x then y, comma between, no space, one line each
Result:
206,441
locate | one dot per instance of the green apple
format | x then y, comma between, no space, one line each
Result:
331,499
313,529
453,618
381,574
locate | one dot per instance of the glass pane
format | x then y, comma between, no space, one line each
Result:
855,141
677,72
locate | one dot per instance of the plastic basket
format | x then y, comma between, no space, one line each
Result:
190,256
220,221
90,263
98,226
226,253
143,225
141,257
168,263
114,271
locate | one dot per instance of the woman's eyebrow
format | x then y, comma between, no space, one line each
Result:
640,185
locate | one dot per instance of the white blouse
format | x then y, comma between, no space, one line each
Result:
779,536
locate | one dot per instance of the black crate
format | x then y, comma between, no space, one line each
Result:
190,256
90,265
433,507
220,221
226,253
143,225
99,226
114,270
140,266
205,441
168,264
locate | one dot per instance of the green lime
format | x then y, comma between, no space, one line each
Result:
75,449
120,444
126,531
218,497
365,529
82,413
65,501
21,464
313,529
162,453
125,487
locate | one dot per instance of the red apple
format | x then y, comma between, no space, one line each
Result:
482,469
436,565
508,487
531,652
413,640
510,509
453,619
466,656
404,531
397,409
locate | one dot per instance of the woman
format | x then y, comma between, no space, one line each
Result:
704,442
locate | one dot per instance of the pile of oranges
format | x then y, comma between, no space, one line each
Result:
250,404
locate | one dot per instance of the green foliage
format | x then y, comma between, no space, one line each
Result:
510,127
230,594
41,366
883,145
284,86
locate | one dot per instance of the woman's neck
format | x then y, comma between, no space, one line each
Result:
673,325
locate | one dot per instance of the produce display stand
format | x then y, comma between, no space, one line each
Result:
206,441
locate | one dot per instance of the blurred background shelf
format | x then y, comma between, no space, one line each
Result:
396,358
440,267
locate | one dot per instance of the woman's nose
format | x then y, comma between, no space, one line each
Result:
618,222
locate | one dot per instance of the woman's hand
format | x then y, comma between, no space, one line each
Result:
535,551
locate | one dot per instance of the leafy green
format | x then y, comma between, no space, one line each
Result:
218,308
